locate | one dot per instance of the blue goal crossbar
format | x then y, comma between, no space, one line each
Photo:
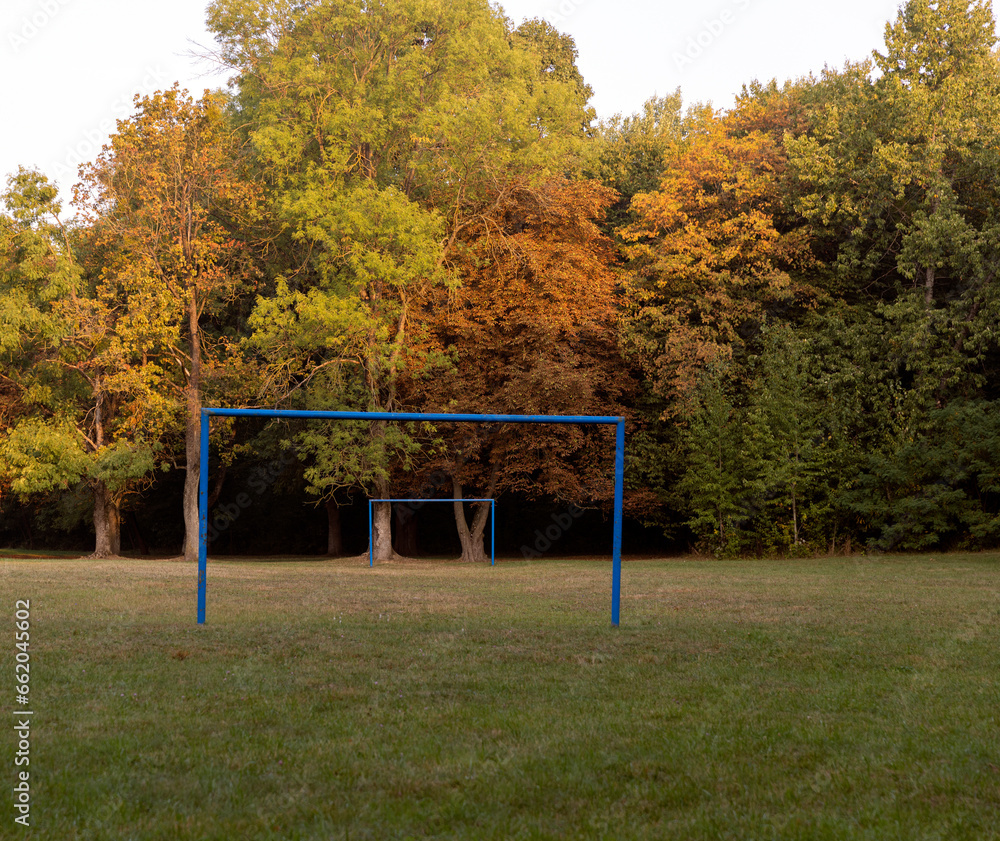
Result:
493,523
207,414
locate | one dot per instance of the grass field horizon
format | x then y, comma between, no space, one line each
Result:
821,698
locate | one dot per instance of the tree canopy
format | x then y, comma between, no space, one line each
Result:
412,206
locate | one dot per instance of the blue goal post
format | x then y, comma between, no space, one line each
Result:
408,417
493,523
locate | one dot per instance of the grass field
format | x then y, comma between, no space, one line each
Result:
840,699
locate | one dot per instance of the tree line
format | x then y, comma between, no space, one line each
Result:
411,206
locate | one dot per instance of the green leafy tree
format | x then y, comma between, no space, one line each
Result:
555,56
897,178
938,488
714,483
899,175
170,207
383,131
633,153
786,439
85,407
854,363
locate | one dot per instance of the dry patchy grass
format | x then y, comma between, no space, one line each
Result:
845,698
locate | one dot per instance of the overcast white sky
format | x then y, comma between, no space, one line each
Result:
71,67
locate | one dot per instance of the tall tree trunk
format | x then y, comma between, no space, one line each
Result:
107,522
383,399
334,538
795,518
107,519
193,434
382,524
929,287
471,538
382,531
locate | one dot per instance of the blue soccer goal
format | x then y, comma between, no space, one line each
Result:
405,417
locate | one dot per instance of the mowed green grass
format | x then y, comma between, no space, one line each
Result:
840,698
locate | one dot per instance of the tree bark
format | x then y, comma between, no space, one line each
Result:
107,522
220,481
193,434
795,518
213,497
382,531
334,538
471,538
107,518
382,525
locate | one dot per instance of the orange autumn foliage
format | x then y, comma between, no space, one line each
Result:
531,330
709,256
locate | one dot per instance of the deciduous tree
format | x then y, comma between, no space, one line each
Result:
708,258
170,210
384,131
531,330
900,174
85,405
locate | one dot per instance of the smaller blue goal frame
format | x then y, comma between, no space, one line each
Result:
493,523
